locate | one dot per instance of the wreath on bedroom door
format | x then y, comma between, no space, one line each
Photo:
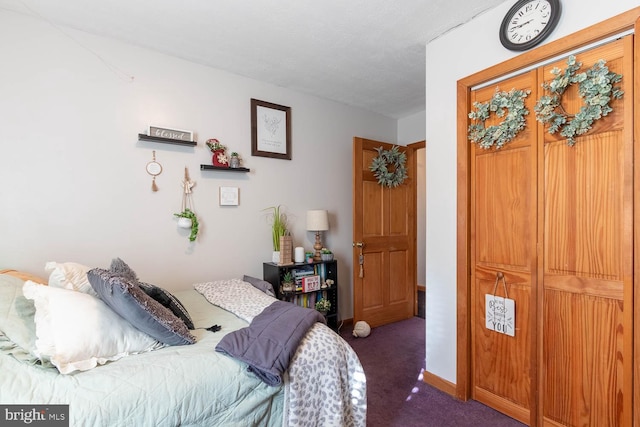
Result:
389,166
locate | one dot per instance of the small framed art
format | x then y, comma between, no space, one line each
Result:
229,196
270,130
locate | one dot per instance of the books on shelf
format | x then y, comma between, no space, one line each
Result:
308,300
301,273
310,270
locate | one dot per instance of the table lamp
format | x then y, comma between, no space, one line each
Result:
317,220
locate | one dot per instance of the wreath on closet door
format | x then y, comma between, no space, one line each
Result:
507,105
596,87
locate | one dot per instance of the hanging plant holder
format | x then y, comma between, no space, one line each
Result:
184,222
187,218
389,167
596,88
509,105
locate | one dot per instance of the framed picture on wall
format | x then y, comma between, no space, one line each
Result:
270,130
229,196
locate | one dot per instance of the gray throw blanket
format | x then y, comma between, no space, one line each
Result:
270,341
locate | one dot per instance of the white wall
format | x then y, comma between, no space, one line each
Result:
412,129
475,46
73,185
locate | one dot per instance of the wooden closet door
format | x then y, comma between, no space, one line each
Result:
503,240
586,221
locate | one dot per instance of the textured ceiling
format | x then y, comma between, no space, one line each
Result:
364,53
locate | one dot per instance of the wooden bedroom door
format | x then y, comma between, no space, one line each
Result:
384,222
557,222
503,215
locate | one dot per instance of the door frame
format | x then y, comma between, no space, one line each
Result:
610,27
414,147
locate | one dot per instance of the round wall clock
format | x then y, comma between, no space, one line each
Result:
528,23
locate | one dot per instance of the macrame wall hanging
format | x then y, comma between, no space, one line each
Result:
509,105
187,218
154,169
596,88
389,167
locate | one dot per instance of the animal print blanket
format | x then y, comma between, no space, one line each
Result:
325,383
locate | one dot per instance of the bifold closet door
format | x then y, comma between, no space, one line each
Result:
503,244
556,221
587,228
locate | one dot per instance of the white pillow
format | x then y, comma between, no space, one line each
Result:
69,275
77,331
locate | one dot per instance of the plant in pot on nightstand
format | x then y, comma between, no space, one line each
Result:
278,229
323,306
288,284
326,254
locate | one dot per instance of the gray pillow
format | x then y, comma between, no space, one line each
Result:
128,300
121,268
167,299
263,285
164,297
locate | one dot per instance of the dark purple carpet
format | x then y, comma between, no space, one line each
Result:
393,360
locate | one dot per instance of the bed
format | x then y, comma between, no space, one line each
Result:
175,385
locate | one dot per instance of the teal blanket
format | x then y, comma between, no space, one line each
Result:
175,386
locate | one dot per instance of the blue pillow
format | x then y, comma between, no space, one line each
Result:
126,298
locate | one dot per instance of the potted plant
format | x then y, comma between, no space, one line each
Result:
218,149
323,306
288,282
187,219
234,160
278,229
326,254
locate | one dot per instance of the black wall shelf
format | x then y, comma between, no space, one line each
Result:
144,137
222,169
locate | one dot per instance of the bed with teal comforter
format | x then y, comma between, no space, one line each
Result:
186,385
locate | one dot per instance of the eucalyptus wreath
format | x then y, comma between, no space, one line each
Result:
500,103
380,167
595,87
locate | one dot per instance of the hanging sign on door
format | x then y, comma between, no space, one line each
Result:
500,314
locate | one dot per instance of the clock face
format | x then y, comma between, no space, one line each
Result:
529,22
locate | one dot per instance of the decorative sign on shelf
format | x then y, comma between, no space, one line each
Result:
177,134
310,283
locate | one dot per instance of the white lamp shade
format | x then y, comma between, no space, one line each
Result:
317,220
